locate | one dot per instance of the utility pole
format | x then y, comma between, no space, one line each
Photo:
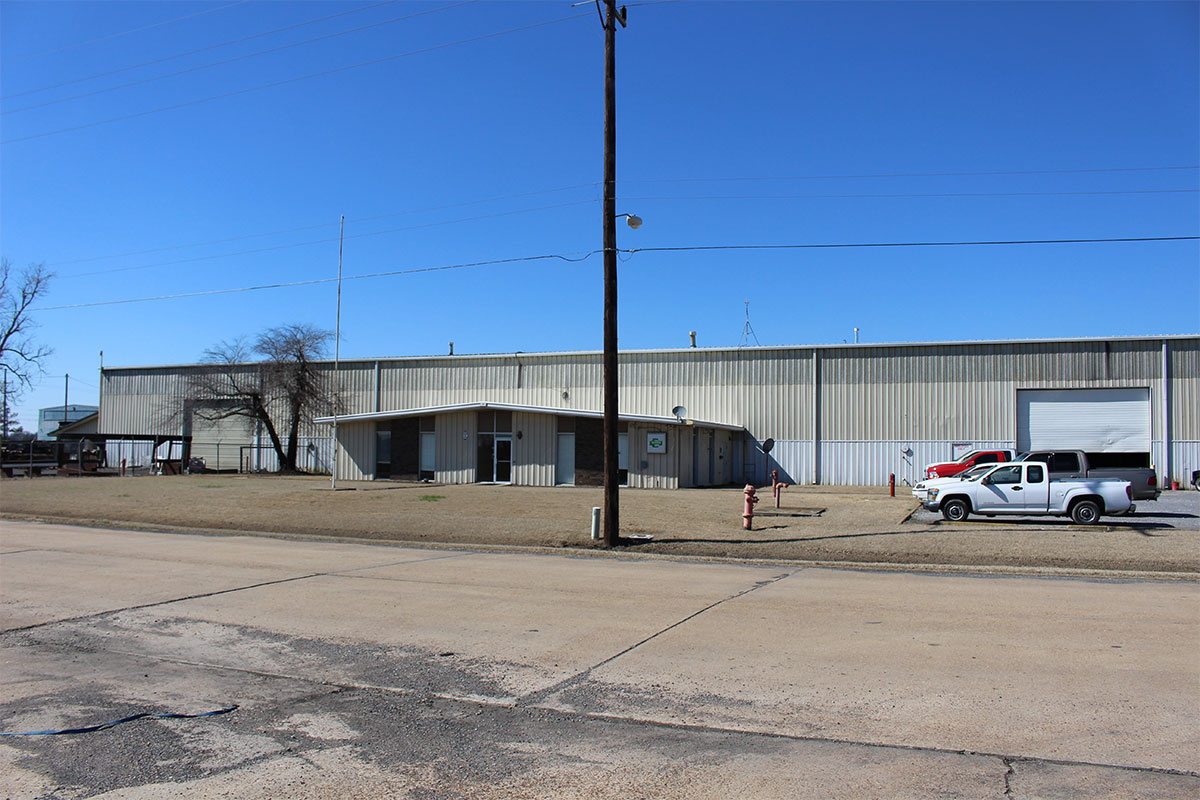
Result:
612,530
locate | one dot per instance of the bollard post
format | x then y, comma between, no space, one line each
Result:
892,484
122,468
595,522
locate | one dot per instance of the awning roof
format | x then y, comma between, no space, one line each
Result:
560,412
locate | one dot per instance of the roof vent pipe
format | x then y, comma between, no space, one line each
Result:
693,335
452,348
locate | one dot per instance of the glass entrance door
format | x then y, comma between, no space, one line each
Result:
503,469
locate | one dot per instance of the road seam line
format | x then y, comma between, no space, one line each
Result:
534,697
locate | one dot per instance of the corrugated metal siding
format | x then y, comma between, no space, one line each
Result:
869,463
920,396
356,459
1185,390
662,470
140,402
456,454
535,451
1185,459
963,392
219,442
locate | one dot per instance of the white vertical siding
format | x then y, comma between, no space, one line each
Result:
534,453
356,458
871,399
456,452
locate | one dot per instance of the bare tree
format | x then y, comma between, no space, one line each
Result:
20,356
282,392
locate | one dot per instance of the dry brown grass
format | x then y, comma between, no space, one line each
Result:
857,525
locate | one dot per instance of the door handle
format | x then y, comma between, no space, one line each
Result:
1016,488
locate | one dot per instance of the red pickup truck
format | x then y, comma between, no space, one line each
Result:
970,459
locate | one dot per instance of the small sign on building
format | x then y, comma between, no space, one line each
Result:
656,442
960,449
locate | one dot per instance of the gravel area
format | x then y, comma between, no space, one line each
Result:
839,524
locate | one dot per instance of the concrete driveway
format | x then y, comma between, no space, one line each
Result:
377,671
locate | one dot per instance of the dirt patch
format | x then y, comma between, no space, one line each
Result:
861,525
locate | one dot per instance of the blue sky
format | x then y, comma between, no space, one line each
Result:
453,133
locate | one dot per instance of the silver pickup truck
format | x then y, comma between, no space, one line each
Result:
1025,488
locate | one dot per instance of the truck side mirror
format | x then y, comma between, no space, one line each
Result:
986,480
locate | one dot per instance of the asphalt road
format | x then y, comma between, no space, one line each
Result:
379,671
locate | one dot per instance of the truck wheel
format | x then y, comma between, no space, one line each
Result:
1085,512
955,510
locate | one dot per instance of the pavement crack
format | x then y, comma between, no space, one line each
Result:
579,677
140,606
1008,776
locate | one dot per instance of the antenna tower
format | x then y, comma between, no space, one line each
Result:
748,331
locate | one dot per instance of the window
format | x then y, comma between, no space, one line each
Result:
1006,475
1064,462
1034,475
987,458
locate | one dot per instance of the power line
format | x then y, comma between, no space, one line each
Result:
312,242
303,228
589,254
126,33
907,244
317,281
914,174
204,49
238,58
900,196
286,81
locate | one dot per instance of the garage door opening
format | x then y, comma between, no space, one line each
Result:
1111,425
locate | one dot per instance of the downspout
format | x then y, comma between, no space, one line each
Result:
1168,466
816,415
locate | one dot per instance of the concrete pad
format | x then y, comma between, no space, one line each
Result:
1085,671
527,622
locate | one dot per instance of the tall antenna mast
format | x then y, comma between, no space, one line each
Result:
748,331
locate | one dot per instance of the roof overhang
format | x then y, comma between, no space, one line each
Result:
558,412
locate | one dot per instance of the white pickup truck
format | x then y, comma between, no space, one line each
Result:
1024,488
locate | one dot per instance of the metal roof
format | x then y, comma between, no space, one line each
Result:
561,412
729,349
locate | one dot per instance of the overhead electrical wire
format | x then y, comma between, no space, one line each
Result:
589,254
284,82
196,51
124,33
594,184
318,226
899,196
977,173
232,59
695,248
312,242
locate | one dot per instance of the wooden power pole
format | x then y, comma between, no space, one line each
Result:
612,535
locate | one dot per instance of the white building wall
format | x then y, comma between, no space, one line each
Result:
870,399
535,447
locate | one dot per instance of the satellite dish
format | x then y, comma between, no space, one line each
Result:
680,412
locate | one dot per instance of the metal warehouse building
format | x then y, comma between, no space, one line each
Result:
837,414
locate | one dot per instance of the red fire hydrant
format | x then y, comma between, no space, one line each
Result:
748,514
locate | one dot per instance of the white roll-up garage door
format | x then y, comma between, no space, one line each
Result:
1093,420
